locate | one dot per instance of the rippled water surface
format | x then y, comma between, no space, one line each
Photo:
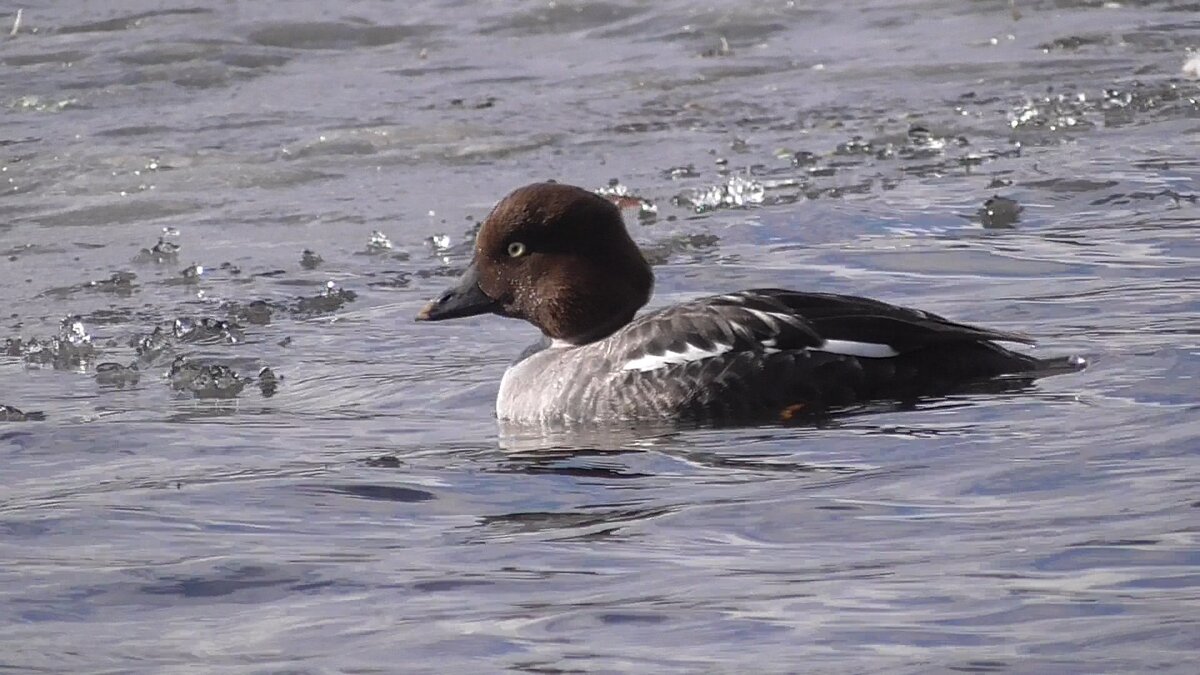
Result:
168,505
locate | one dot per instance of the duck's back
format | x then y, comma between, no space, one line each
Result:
759,355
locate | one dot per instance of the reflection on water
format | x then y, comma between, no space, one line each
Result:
225,443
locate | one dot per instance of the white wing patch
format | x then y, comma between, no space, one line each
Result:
691,353
774,319
870,350
768,318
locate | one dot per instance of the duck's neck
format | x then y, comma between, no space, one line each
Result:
598,333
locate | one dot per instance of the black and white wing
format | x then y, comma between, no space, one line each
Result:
772,351
847,318
711,327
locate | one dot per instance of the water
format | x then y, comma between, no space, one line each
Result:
367,514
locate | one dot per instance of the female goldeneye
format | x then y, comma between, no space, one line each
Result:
560,258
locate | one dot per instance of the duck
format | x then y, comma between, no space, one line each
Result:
560,257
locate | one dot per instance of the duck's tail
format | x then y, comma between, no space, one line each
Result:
1059,364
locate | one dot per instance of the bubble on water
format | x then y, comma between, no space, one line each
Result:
439,242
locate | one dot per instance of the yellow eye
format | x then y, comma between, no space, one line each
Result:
516,249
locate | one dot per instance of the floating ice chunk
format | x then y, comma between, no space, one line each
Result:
205,380
117,375
310,260
378,243
737,192
1191,67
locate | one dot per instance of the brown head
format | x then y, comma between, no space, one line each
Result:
557,256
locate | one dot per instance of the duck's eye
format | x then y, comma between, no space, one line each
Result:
516,249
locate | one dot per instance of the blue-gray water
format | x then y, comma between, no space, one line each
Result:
370,516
